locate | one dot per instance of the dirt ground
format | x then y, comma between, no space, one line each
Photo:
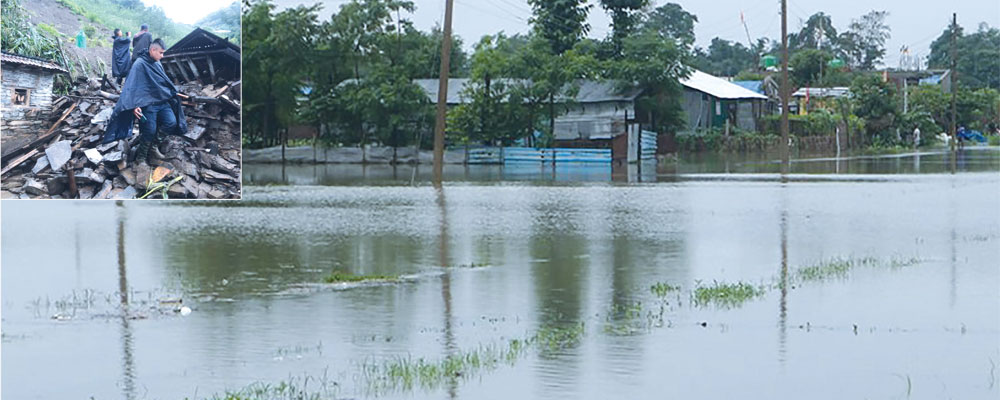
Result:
65,21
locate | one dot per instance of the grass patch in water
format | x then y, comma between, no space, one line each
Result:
406,373
306,388
841,267
725,294
662,289
342,277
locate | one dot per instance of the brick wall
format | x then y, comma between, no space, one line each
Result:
21,124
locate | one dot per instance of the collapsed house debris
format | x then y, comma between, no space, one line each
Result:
69,161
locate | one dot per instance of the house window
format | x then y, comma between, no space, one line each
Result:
718,108
22,97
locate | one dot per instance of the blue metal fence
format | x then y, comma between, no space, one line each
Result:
508,155
647,145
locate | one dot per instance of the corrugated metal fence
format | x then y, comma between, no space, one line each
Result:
647,145
507,155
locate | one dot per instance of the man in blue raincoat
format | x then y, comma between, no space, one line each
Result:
120,58
150,97
141,41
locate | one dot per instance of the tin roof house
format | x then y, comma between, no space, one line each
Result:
712,102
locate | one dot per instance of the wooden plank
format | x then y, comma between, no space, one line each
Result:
194,68
211,68
18,161
183,70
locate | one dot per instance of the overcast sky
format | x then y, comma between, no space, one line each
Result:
913,23
188,11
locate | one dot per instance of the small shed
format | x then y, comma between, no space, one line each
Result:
204,56
26,97
711,102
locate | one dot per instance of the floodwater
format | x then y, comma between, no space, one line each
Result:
498,254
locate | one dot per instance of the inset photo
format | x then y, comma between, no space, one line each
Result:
121,100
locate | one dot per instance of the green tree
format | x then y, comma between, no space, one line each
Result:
876,102
673,23
561,23
725,58
273,68
864,42
625,18
807,67
655,65
978,63
818,32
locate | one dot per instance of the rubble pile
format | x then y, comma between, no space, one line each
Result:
69,161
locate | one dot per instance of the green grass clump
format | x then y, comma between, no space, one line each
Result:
726,294
994,140
841,267
406,372
662,289
558,337
341,277
295,388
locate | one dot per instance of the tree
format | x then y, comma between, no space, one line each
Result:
491,116
806,66
655,66
561,23
273,67
864,42
978,61
875,101
624,20
725,58
671,22
817,33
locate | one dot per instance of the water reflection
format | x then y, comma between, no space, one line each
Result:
783,283
450,348
128,360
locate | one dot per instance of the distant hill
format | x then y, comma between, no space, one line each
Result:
128,15
225,22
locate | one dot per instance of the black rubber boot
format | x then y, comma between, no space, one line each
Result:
142,152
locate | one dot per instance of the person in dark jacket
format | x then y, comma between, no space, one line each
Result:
120,60
150,97
141,41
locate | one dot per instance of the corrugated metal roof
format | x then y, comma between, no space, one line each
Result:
718,87
822,92
30,61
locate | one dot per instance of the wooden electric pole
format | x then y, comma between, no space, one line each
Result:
442,104
784,88
954,89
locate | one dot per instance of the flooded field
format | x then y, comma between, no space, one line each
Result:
867,278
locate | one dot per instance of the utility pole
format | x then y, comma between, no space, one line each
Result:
442,104
784,87
954,88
